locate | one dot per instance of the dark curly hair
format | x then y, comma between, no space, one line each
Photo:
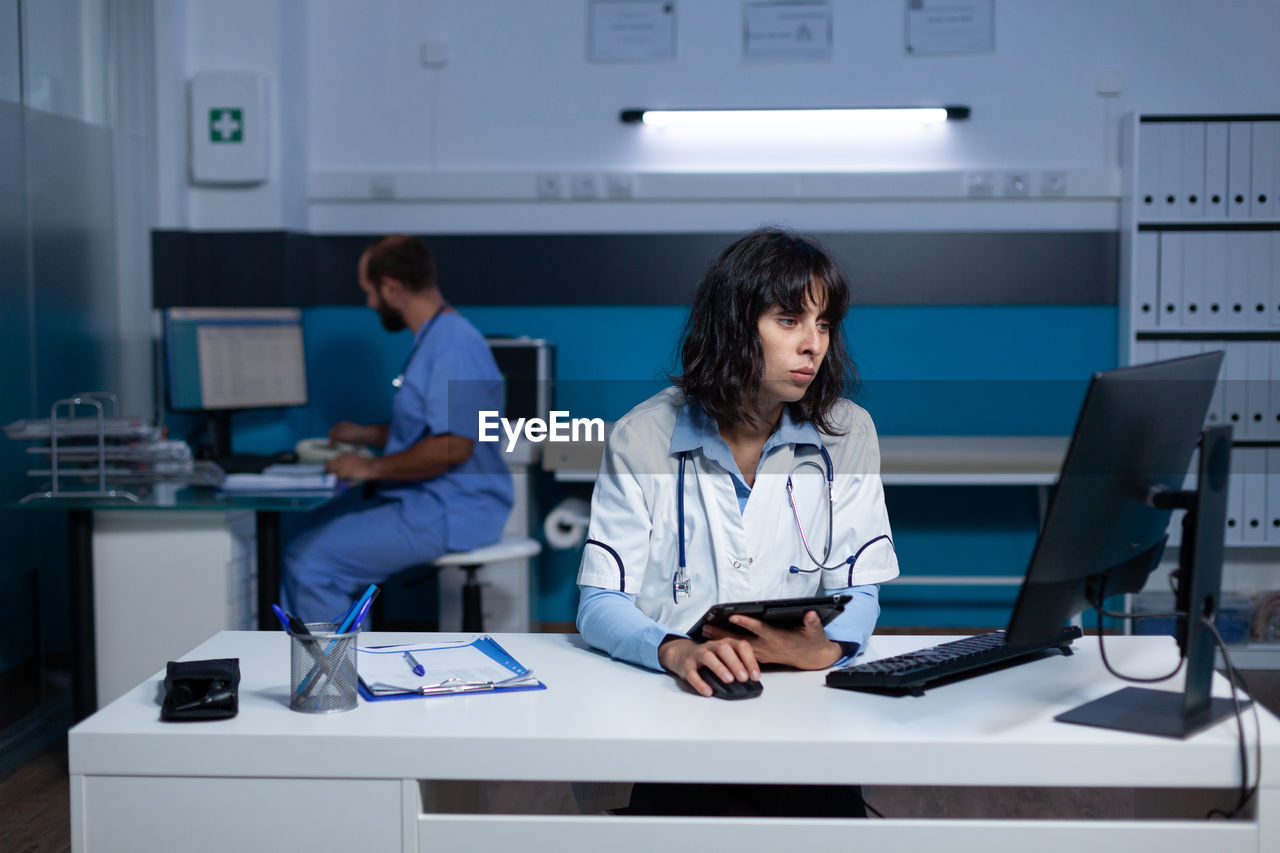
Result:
721,356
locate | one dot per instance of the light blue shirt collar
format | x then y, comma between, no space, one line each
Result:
695,430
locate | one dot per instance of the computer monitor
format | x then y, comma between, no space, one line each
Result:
1105,528
527,366
218,360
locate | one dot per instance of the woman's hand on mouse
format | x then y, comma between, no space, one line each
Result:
806,647
730,658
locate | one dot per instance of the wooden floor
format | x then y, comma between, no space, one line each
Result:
35,798
35,813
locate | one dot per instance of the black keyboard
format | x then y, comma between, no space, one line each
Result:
913,671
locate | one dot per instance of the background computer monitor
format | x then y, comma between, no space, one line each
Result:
527,366
218,360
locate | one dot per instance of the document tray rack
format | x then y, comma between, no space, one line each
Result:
913,671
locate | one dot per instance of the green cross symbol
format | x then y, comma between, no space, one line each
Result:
226,124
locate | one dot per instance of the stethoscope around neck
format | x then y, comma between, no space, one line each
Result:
680,584
417,342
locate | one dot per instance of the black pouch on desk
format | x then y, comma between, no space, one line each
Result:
201,690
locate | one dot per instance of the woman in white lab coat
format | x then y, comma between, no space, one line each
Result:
761,396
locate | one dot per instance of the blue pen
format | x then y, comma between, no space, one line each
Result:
418,669
364,610
357,607
351,614
282,616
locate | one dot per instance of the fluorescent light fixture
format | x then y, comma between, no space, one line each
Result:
783,118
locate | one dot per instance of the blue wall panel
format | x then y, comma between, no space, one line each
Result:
1013,370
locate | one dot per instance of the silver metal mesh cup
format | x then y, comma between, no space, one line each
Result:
322,670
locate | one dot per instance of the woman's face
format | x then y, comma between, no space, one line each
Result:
794,346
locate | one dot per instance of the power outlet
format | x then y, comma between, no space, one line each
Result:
583,186
1017,185
548,185
980,184
1053,184
619,185
382,186
433,54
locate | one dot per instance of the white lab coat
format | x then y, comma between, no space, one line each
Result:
731,555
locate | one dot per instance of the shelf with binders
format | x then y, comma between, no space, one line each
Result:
1204,281
1200,271
1208,169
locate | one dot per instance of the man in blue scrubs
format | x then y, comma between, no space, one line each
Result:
435,489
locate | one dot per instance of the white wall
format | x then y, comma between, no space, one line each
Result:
387,143
266,36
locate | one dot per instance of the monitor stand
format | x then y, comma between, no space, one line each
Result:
1162,712
219,431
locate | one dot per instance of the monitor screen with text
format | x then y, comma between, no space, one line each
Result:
234,358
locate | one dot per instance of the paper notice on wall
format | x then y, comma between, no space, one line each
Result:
786,31
950,26
631,30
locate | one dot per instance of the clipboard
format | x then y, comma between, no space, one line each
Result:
479,665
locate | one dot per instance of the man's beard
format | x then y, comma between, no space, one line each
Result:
392,320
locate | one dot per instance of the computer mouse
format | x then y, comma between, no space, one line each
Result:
735,689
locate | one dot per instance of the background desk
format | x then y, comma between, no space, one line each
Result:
151,579
273,777
908,460
905,460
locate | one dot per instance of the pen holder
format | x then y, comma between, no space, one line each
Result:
322,670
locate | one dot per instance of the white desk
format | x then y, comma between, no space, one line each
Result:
274,779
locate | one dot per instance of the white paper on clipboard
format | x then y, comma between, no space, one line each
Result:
384,669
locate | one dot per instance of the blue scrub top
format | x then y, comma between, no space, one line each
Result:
450,378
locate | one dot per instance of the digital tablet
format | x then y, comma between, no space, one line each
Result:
780,613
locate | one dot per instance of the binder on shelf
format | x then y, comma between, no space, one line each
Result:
1239,160
1168,140
1191,191
1176,349
1236,275
1260,273
1262,171
1235,498
1273,307
1143,352
1235,368
1216,413
1195,297
1252,471
1146,204
1145,284
1273,394
1273,495
1215,277
415,671
1215,169
1257,390
1170,280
